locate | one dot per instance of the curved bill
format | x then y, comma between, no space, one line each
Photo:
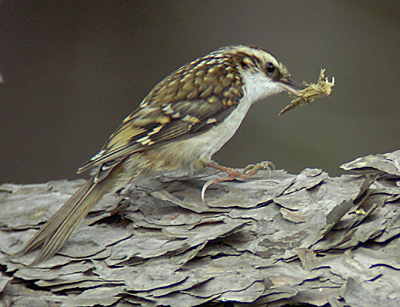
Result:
290,86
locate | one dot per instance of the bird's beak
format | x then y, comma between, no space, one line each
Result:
290,86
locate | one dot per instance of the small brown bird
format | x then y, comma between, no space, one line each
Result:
181,123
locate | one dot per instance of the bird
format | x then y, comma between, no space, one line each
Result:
182,122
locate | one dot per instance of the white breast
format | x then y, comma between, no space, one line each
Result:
204,146
211,141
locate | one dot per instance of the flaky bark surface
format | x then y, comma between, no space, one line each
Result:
276,240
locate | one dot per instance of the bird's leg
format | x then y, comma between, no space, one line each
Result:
249,171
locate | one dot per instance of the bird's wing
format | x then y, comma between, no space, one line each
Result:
150,127
191,100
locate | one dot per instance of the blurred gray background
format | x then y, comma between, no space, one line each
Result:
73,71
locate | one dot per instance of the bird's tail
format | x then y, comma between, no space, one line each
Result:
57,230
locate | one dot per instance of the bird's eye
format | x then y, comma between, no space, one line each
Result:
270,67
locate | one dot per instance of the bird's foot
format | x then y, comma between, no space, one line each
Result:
249,171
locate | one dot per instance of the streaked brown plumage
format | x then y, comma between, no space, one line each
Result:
181,123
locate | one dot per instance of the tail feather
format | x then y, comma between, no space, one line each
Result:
58,229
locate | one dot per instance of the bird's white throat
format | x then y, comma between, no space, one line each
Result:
258,86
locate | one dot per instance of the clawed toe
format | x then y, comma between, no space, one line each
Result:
249,171
204,188
252,169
